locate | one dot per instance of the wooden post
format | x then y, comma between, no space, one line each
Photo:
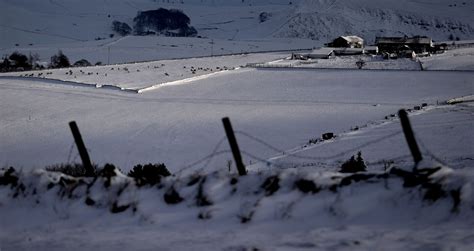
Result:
86,161
234,146
410,137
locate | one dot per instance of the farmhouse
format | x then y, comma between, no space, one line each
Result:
347,42
417,44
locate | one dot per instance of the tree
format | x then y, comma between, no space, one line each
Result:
263,17
123,29
59,60
5,65
19,61
354,165
170,22
33,60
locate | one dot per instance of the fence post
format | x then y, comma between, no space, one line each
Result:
234,146
86,161
409,136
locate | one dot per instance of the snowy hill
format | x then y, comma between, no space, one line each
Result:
325,19
234,26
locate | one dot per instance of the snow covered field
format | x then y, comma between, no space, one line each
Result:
180,124
140,77
275,113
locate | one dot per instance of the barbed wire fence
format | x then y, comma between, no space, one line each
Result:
295,153
203,163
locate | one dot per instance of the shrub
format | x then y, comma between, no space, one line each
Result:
263,16
82,62
59,60
149,174
360,63
271,185
354,165
123,29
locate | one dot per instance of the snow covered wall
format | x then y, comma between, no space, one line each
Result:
396,202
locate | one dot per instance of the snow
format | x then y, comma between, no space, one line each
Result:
458,59
346,62
455,59
138,76
380,140
161,100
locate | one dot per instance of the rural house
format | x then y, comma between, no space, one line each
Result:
416,44
347,42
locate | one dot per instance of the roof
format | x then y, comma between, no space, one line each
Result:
322,51
352,39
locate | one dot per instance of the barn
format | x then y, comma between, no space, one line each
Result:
347,42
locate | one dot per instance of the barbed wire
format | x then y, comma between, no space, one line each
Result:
214,151
269,163
70,152
260,141
207,159
209,156
429,153
289,154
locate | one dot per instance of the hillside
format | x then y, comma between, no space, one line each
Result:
223,26
323,19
